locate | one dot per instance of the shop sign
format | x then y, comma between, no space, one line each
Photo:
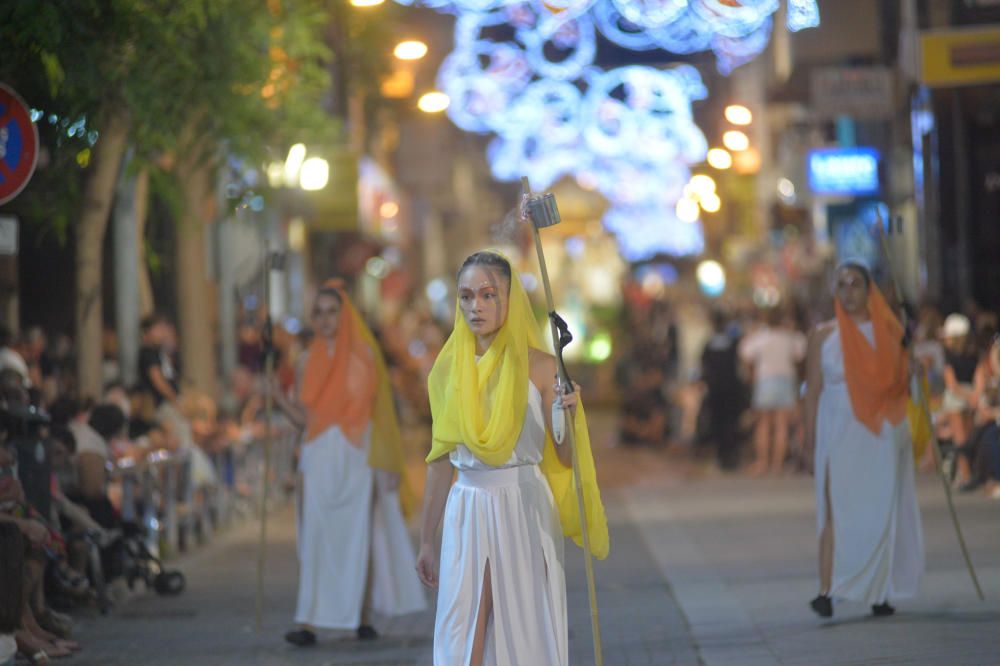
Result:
8,235
959,57
843,171
861,92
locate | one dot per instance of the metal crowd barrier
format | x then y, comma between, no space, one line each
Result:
160,492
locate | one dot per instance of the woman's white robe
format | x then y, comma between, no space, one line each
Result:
504,518
878,550
347,532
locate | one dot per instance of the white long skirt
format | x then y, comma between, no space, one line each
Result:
347,531
878,550
505,519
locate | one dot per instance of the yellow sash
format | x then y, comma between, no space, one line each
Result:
482,405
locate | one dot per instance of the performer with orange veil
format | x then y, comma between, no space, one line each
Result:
501,586
868,521
354,550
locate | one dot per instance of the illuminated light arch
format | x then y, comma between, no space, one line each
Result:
575,35
626,132
650,13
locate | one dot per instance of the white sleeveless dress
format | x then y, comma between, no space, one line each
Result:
506,517
878,549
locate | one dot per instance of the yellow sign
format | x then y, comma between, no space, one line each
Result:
960,57
335,207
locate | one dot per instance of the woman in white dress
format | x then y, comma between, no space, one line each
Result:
501,586
868,521
354,550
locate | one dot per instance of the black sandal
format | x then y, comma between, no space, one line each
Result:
822,605
883,609
301,638
366,632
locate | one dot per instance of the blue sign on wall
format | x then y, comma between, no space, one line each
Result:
843,171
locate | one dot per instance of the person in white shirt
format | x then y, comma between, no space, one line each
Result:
773,351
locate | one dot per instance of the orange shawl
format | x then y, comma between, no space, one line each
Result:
877,377
339,388
351,388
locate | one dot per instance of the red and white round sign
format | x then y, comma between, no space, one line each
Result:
18,144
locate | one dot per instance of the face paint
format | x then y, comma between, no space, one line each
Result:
482,298
851,289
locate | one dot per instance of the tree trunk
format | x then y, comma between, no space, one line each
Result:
194,289
98,194
146,302
126,272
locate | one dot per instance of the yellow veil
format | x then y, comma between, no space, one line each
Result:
482,405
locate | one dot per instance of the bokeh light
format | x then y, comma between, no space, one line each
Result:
411,49
719,158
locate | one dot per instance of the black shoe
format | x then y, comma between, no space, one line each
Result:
301,638
968,486
823,605
883,609
366,632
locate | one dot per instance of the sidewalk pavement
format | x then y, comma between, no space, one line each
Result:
740,557
704,569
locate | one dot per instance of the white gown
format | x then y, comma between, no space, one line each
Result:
504,517
878,549
346,532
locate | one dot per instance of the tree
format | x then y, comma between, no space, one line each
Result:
183,82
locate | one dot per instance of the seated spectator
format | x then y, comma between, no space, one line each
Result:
983,450
11,589
74,518
43,546
93,453
10,357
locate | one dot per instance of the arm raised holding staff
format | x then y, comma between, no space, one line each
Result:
500,579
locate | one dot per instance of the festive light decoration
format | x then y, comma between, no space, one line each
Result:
523,71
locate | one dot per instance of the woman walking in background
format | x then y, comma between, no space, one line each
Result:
870,539
354,551
774,352
502,591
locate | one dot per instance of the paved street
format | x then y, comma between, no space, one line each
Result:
704,569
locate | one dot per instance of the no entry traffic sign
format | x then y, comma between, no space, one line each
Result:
18,144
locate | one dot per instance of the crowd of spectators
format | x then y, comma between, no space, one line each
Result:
739,400
62,457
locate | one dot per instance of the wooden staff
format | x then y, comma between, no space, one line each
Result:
269,262
561,338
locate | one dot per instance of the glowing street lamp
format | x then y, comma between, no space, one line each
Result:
293,163
366,3
315,174
411,49
388,209
433,102
719,158
738,114
711,278
735,140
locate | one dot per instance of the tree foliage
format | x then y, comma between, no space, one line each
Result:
192,76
